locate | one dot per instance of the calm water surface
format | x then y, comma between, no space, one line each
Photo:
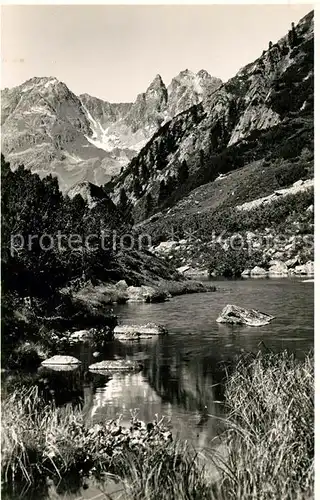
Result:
181,370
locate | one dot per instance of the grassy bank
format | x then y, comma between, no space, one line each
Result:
270,407
268,441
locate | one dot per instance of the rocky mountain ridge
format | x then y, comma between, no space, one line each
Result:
263,113
49,129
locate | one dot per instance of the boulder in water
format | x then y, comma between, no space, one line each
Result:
61,360
235,315
116,365
138,332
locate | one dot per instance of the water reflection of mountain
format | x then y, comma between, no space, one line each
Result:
124,393
183,378
185,391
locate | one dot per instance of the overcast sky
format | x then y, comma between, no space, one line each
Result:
114,52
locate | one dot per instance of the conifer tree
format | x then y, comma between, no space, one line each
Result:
163,192
136,187
183,172
149,204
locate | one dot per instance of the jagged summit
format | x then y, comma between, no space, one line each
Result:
157,89
202,73
39,82
157,81
188,88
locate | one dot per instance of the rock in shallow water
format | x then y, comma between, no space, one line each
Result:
139,331
116,365
235,315
307,269
61,360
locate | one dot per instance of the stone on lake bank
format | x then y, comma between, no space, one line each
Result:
116,365
197,272
61,360
307,269
81,335
277,268
235,315
245,273
107,294
146,294
258,272
187,286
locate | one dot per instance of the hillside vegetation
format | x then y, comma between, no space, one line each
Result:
261,119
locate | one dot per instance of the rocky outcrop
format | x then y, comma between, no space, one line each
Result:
122,365
61,360
298,187
245,273
235,315
85,139
188,88
196,272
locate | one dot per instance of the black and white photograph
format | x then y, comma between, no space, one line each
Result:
157,251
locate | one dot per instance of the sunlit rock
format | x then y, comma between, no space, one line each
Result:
235,315
117,365
277,268
137,332
258,272
61,360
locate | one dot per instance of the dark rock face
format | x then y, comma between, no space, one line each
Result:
51,130
235,315
269,101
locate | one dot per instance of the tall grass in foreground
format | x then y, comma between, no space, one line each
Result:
270,436
268,442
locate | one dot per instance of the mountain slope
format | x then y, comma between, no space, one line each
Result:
264,113
51,130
